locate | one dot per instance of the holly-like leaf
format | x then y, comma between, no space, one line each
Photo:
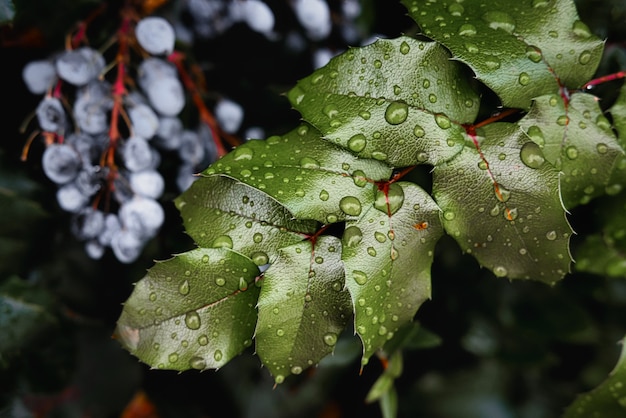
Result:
576,138
618,115
312,178
501,203
193,311
303,306
387,254
606,400
392,100
221,212
519,49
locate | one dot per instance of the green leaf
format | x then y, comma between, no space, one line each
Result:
25,314
618,115
388,253
606,400
519,49
312,178
501,203
577,139
392,100
196,310
220,212
303,306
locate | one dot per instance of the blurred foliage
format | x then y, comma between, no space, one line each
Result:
488,349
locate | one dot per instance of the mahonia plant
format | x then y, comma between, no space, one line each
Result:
301,235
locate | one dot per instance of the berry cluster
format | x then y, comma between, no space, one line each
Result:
108,118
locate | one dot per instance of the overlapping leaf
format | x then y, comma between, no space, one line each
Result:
501,203
312,178
303,306
617,183
520,49
387,253
606,400
392,100
577,139
194,311
221,212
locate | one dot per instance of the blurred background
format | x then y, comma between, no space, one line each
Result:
489,347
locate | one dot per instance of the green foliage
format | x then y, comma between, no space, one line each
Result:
305,234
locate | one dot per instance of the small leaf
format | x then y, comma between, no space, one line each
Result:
392,100
520,50
503,206
577,139
303,307
221,212
388,259
193,311
312,178
606,400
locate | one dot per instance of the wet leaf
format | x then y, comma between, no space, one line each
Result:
312,178
392,100
577,139
521,50
606,400
501,203
221,212
303,307
193,311
387,259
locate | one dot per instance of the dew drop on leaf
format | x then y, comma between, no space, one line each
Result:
500,271
584,57
533,53
183,289
500,20
192,320
203,340
197,363
551,235
218,355
523,79
535,133
259,258
380,237
357,143
359,277
350,205
442,121
330,339
352,236
223,241
467,29
396,113
531,155
172,358
309,163
571,152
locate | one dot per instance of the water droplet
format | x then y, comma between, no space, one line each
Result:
533,53
396,113
257,237
359,277
309,163
371,251
331,218
562,120
380,237
243,284
483,165
280,332
553,34
183,289
324,195
152,297
551,235
502,194
535,133
581,30
422,157
173,358
524,79
259,258
220,281
243,153
357,143
426,83
449,215
500,271
218,355
492,63
397,90
500,20
391,202
467,29
471,48
203,340
350,205
330,339
456,9
540,3
365,115
197,363
192,320
404,48
531,155
378,63
584,57
571,152
602,148
442,121
510,214
296,370
331,110
223,241
432,98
